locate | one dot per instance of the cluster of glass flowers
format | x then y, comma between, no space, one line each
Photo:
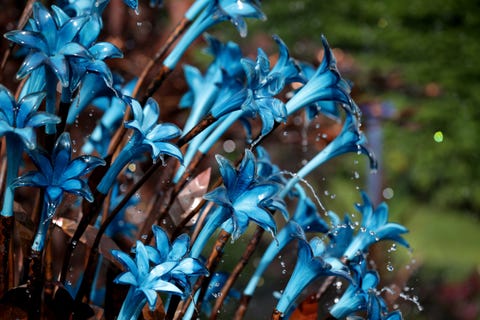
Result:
174,275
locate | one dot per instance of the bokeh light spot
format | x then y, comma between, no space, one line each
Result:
438,136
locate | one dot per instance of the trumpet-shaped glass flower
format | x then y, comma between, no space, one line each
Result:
112,102
148,135
145,281
362,294
244,197
286,65
20,118
329,108
18,121
240,200
264,85
310,265
350,139
147,132
221,74
177,252
216,11
50,43
91,62
57,173
374,227
358,293
305,219
326,85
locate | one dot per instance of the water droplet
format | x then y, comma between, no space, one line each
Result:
390,268
338,285
392,248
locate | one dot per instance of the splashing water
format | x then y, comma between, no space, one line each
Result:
309,186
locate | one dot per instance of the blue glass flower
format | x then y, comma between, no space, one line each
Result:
112,103
286,65
305,219
18,121
350,139
326,85
362,294
148,135
91,62
264,86
185,268
146,130
340,235
329,108
374,227
242,199
310,265
20,118
216,11
50,43
145,281
221,73
57,173
358,293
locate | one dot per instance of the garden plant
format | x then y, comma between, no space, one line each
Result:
73,242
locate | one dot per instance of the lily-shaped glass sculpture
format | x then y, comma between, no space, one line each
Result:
310,266
50,44
164,268
324,86
305,219
242,199
148,135
61,47
374,227
178,251
145,281
258,96
18,121
204,90
57,173
362,294
113,103
350,139
216,11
